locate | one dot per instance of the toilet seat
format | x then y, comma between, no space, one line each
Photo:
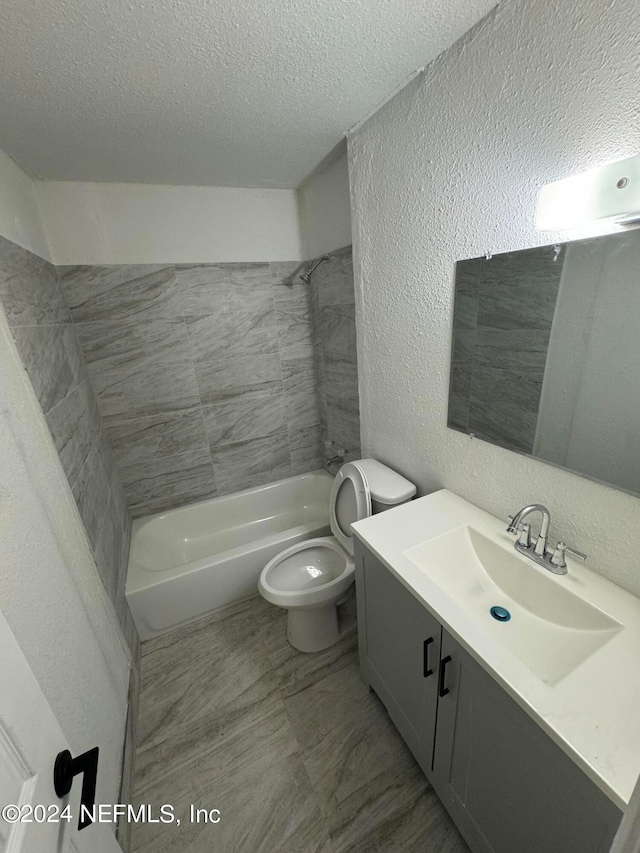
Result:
350,501
317,571
308,574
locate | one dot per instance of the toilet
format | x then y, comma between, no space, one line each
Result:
313,577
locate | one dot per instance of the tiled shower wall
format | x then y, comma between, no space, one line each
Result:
204,375
48,345
503,313
334,330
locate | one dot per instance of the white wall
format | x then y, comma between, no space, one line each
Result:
449,169
19,215
50,591
90,223
325,207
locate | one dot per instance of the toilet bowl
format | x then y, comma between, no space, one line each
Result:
313,577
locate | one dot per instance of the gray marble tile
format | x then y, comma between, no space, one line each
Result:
512,417
273,810
230,374
251,463
341,391
108,548
340,360
468,274
293,311
287,273
344,759
130,392
339,328
344,431
462,343
131,635
108,462
360,769
334,279
244,416
91,493
324,770
248,330
398,812
305,445
213,288
295,332
518,307
53,359
162,483
300,391
119,497
165,434
228,670
133,342
120,291
532,267
465,310
459,390
29,288
296,671
75,427
238,618
523,350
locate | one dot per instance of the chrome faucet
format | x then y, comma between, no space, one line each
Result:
553,560
516,520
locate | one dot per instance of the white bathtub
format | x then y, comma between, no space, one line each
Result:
187,562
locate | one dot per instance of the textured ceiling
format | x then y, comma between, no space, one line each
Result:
222,92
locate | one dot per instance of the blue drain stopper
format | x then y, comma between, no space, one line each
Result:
500,613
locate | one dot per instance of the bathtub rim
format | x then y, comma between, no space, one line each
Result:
140,578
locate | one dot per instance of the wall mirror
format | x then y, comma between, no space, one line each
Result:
546,355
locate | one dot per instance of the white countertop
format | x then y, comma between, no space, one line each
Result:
593,713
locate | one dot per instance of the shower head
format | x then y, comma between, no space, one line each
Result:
306,276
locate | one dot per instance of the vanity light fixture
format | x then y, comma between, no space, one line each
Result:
609,192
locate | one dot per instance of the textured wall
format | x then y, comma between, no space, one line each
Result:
51,594
48,345
334,334
449,169
203,374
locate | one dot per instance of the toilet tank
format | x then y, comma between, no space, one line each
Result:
387,487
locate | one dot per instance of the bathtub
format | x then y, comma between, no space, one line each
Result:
187,562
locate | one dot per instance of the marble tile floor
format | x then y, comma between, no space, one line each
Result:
293,750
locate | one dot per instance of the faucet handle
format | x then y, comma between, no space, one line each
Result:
524,539
557,558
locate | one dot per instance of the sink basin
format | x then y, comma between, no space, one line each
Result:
552,630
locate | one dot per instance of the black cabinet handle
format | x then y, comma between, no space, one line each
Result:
442,690
66,768
426,672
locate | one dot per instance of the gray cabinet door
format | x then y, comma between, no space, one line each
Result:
399,653
507,785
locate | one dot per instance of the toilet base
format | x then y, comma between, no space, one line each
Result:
311,629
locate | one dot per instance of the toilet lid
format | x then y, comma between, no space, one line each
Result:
350,501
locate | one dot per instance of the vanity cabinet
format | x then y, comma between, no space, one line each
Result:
402,641
508,787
